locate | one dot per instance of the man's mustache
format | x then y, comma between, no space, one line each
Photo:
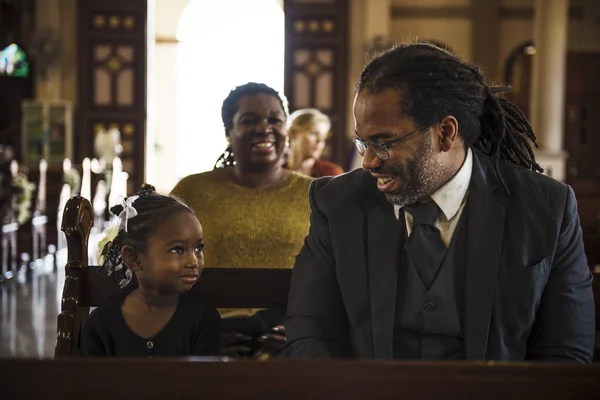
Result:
388,171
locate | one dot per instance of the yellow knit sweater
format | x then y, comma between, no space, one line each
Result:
248,228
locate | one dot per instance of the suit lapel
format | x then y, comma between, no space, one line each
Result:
484,250
383,238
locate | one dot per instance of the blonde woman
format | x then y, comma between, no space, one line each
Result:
308,129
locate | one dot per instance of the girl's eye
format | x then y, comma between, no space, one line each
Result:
177,250
275,121
199,248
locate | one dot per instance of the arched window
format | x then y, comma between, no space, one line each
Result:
14,61
517,73
222,44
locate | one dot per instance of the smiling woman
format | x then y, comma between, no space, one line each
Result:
255,213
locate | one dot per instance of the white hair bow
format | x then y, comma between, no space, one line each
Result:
128,212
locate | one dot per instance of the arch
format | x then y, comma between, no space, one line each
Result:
526,48
518,74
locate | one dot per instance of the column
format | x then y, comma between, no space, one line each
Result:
378,20
548,86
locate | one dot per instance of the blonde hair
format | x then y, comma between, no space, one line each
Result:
305,120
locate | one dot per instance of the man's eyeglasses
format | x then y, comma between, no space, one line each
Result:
381,150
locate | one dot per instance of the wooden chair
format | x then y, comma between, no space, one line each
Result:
86,287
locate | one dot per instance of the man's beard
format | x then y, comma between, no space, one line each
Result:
421,176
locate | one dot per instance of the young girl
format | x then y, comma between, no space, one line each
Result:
160,240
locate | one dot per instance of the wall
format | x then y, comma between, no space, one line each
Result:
447,21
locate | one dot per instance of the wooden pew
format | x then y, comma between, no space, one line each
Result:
83,378
85,287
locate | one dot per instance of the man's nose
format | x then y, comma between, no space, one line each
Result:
370,160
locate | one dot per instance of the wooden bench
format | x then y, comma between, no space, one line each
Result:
84,378
86,287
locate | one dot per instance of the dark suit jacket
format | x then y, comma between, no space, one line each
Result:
528,289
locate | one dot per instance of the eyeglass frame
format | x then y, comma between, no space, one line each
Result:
381,147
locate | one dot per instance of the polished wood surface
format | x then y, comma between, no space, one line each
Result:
77,223
78,378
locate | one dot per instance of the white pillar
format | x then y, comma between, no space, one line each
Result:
548,87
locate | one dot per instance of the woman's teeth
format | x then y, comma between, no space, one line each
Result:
383,181
263,145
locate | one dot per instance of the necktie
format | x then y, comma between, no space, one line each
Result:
424,245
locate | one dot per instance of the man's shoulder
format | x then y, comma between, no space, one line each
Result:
346,182
532,183
346,188
522,182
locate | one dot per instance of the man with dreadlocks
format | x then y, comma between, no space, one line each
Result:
449,243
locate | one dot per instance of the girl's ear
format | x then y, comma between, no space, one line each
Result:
131,258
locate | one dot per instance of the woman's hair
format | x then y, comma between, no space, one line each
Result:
435,83
230,107
152,209
305,120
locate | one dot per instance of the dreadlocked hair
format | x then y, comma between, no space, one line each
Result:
435,83
153,209
230,107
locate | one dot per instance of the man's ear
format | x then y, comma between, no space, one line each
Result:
131,258
449,133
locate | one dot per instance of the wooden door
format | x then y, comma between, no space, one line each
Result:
315,64
112,79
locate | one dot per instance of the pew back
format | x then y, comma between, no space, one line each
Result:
179,379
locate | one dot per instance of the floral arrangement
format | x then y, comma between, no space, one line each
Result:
23,191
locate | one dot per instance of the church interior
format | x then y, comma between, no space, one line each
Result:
98,98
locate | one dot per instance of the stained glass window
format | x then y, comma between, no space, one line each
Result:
14,61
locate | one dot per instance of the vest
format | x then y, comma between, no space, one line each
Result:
429,323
